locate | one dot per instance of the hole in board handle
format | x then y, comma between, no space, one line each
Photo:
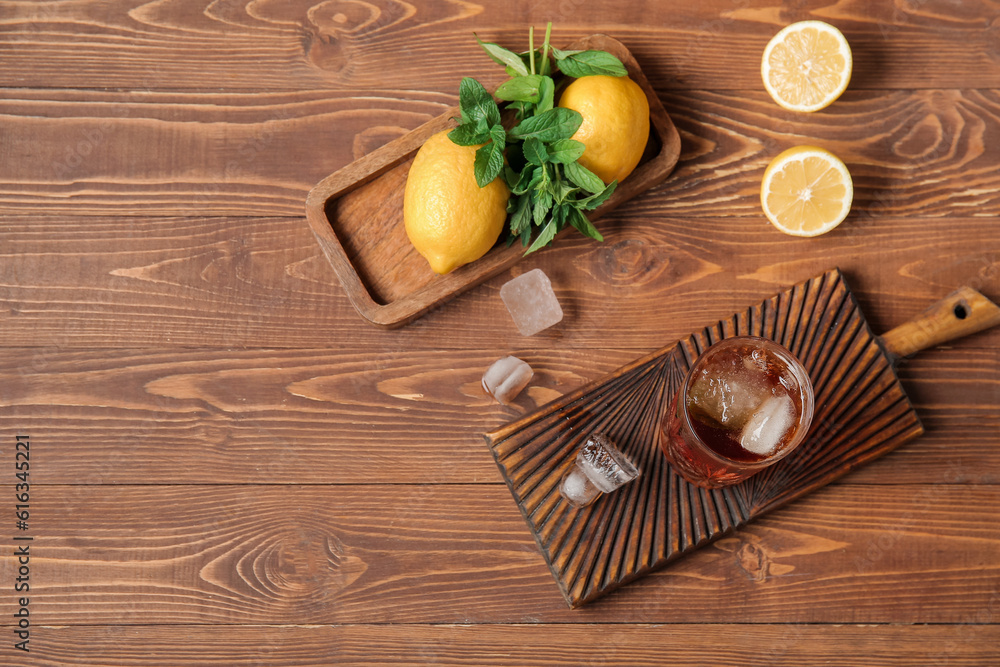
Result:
961,310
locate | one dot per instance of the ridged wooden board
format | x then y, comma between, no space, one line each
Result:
862,412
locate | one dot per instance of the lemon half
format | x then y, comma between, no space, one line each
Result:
806,191
806,66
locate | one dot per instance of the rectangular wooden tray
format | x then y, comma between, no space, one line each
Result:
356,215
861,413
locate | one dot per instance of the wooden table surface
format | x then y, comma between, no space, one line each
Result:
228,466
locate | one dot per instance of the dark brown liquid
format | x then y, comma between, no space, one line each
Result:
726,441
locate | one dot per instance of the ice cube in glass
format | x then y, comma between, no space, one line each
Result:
768,425
726,395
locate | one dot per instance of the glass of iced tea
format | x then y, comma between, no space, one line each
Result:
745,404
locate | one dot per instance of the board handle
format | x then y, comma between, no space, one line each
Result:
963,312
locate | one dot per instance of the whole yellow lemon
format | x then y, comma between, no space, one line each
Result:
615,123
449,219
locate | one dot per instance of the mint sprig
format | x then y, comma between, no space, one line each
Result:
537,157
480,124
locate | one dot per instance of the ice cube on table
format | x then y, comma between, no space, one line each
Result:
505,379
768,425
531,302
727,398
599,468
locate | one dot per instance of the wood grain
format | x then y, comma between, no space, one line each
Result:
128,282
517,645
379,415
963,312
157,153
273,45
439,553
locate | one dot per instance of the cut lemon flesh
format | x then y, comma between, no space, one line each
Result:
806,66
806,191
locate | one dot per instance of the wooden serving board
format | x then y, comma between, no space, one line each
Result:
861,413
356,215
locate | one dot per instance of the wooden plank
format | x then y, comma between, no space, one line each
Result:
128,282
274,46
221,555
145,152
970,644
99,152
378,415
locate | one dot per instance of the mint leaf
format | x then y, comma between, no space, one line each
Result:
564,191
477,105
468,135
590,63
535,152
527,181
552,125
593,201
511,72
583,177
580,222
565,151
520,211
489,158
559,54
520,89
546,95
503,56
499,136
543,204
559,215
544,237
510,177
526,233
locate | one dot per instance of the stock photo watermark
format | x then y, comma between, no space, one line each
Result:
22,541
